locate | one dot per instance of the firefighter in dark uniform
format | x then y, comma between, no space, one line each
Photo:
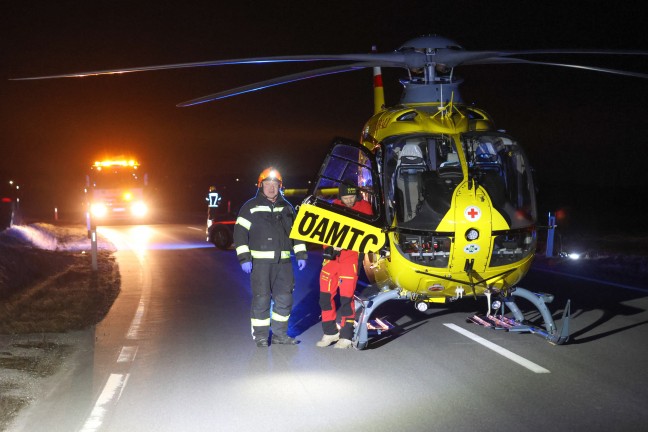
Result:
263,246
213,199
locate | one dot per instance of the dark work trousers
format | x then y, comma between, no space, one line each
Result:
271,281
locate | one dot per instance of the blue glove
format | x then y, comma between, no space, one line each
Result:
247,267
301,264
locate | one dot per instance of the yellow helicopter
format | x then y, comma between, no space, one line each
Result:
454,209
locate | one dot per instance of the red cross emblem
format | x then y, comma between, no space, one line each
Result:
472,213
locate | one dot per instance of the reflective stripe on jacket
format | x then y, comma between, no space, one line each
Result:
262,231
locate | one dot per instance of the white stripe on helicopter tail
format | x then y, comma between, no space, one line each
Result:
499,350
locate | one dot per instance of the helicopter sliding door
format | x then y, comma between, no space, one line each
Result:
323,219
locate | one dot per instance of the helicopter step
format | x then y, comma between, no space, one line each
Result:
518,325
378,325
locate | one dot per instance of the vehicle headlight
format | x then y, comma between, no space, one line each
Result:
139,209
98,210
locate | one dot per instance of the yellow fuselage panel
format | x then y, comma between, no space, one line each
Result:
398,271
470,209
386,123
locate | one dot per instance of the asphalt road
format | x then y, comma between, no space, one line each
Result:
175,354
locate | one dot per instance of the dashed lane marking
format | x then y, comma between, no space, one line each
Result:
110,394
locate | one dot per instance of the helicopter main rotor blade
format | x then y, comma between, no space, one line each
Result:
387,59
572,51
410,59
277,81
423,54
504,60
454,58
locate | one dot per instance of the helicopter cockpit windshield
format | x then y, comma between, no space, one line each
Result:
421,173
498,164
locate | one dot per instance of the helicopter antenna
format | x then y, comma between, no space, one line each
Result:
451,106
441,106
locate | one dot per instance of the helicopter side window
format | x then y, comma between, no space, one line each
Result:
495,186
347,165
408,179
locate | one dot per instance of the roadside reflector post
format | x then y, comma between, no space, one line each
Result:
93,244
551,228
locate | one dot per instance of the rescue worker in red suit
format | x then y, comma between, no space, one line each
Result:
340,274
263,249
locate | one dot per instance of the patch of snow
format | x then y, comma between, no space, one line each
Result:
52,238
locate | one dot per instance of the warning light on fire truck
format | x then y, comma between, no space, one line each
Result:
116,190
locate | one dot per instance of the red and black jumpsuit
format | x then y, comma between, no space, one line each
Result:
340,273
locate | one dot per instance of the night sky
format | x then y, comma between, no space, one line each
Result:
584,132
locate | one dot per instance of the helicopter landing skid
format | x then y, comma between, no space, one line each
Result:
365,325
517,325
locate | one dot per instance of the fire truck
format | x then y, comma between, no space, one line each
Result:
116,190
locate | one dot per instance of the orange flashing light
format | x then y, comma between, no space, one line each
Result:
123,162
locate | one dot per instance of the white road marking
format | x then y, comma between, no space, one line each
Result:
116,383
499,350
111,392
197,229
133,330
127,354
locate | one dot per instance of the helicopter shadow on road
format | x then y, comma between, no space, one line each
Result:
404,318
306,311
586,298
305,314
610,306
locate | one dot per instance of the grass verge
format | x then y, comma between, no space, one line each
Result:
44,293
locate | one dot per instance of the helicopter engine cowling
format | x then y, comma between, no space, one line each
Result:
429,43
